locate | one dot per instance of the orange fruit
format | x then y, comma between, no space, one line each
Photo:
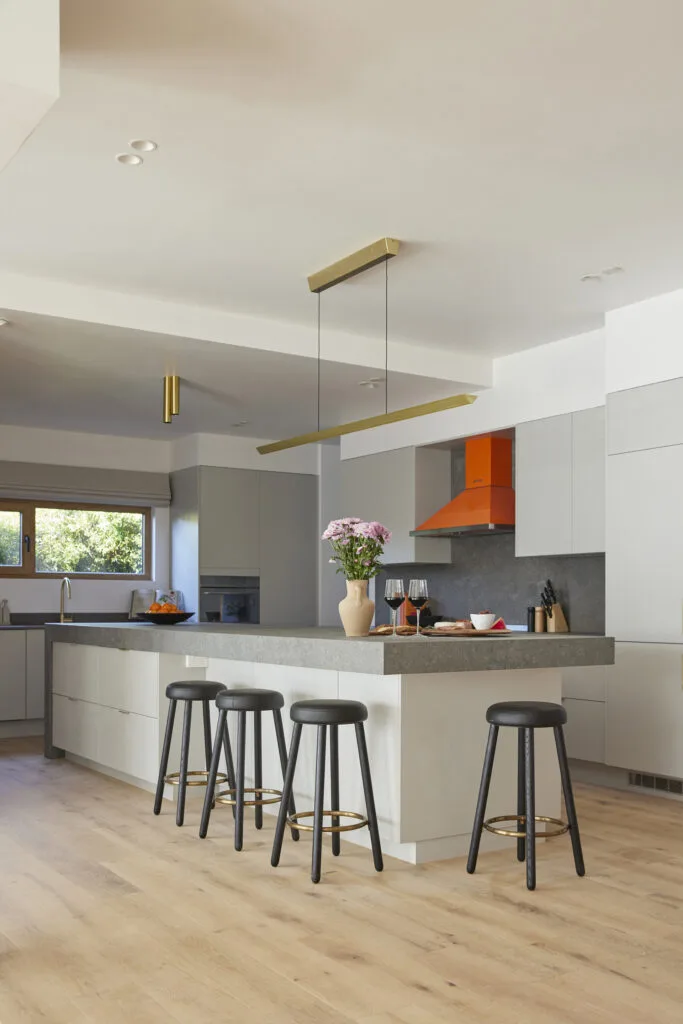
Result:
155,607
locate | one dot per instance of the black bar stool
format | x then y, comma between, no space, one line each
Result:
324,713
525,716
243,701
187,691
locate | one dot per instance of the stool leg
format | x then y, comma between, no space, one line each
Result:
334,786
530,800
213,772
184,758
282,749
569,800
207,733
373,827
166,749
521,802
287,786
239,781
318,804
482,798
258,769
229,766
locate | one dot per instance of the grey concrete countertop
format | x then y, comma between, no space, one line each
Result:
330,649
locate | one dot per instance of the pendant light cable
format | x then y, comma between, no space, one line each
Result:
386,336
318,361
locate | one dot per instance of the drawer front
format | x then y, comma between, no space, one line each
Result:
76,726
129,743
585,683
75,671
129,681
585,729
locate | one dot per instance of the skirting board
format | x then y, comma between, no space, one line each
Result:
591,773
28,727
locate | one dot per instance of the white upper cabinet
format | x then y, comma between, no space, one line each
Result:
644,565
228,521
560,484
400,489
647,417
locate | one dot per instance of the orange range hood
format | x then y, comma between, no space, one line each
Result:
487,505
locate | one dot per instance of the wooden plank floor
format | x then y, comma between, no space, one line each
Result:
108,914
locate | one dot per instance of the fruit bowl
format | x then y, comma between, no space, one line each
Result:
164,618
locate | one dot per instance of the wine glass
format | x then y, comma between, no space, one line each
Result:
394,595
417,595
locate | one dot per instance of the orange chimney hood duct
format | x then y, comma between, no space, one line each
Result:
487,505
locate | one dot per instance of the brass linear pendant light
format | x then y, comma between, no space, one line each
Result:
379,252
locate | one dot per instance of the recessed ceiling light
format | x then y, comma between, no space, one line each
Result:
612,270
129,159
240,423
372,383
591,277
143,145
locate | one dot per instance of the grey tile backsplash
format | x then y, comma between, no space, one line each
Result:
485,574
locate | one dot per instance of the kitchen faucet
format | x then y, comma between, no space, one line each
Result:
65,586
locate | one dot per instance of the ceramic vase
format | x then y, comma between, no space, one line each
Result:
356,610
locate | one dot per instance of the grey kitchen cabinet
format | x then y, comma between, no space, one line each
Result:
585,729
400,489
560,484
35,673
288,548
644,709
228,521
644,564
647,417
543,487
12,675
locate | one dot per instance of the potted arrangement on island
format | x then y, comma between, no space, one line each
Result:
358,547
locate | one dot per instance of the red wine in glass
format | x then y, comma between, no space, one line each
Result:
394,595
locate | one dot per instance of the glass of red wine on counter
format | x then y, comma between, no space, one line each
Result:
394,595
417,595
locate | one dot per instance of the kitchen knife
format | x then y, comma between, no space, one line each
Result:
547,604
551,592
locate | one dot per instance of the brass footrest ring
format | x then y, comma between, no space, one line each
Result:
228,797
559,831
173,778
361,821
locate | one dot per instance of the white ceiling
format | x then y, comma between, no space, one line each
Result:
514,145
69,375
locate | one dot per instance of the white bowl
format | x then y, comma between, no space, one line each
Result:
482,621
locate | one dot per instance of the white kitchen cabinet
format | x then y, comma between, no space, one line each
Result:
647,417
129,680
35,673
128,743
76,671
12,675
644,709
228,521
644,564
584,683
400,489
288,548
560,484
76,726
543,487
585,729
588,480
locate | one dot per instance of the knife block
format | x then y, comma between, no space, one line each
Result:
558,623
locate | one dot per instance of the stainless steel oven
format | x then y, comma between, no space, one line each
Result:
233,599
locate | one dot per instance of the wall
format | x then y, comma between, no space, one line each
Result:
643,342
485,574
23,444
565,376
240,453
331,586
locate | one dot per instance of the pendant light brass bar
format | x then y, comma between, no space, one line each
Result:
356,263
175,395
409,413
168,410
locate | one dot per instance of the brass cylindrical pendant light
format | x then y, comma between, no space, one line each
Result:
175,395
168,415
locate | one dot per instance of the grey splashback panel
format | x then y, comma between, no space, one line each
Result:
486,574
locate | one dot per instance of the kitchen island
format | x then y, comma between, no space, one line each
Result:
426,731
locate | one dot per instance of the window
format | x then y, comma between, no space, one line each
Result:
42,539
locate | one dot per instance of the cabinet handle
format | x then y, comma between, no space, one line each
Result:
74,699
121,712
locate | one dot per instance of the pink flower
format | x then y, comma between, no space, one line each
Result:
372,531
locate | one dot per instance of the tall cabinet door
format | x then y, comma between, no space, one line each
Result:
35,673
288,549
644,563
588,480
543,486
228,521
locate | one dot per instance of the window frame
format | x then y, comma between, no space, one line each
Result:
28,512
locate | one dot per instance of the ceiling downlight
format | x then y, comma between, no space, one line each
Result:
143,145
129,159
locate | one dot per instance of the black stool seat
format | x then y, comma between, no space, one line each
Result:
192,689
328,712
250,700
527,714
